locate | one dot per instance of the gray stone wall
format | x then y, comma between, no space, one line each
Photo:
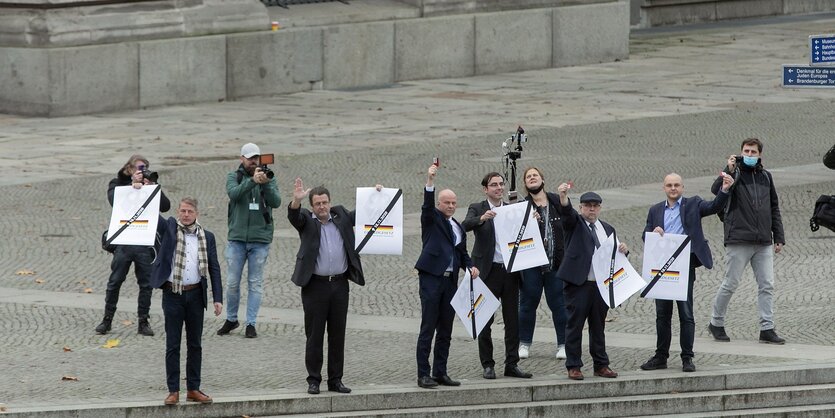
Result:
129,75
676,12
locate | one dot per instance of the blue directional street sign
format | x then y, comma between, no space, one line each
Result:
822,49
806,76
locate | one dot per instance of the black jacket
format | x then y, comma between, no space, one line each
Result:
125,180
556,228
309,233
485,237
753,215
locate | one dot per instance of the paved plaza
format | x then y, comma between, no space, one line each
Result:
682,102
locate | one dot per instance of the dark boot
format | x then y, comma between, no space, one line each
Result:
145,327
105,325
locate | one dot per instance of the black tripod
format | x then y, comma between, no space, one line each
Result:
511,154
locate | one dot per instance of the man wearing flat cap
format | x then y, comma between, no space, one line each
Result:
584,233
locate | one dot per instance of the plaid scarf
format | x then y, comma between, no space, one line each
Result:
180,254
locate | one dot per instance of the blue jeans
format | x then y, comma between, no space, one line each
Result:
255,255
530,292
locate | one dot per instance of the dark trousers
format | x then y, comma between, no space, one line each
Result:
584,302
179,309
325,306
534,281
435,320
505,286
142,258
663,322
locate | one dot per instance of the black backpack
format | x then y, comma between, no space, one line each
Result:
829,158
824,214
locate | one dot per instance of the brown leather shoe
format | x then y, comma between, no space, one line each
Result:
173,398
198,396
575,374
605,371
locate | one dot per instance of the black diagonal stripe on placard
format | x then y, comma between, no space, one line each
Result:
472,305
134,217
519,236
666,266
376,225
612,270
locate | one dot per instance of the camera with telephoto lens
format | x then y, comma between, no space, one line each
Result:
267,159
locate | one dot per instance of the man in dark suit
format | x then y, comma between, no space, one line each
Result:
584,233
487,257
325,262
444,252
187,260
681,215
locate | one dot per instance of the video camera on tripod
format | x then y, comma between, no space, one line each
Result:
512,149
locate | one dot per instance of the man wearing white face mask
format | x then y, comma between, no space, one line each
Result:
753,234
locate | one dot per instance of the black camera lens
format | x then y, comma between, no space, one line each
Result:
152,176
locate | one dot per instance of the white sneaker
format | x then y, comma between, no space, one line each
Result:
524,350
560,352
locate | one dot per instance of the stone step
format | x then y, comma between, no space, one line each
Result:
633,393
805,411
741,402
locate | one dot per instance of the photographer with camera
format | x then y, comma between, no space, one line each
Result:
253,194
753,234
136,173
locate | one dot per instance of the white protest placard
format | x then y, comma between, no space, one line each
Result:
480,303
378,227
508,225
126,202
658,250
625,281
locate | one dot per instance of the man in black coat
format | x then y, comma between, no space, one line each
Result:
325,262
131,174
753,235
444,252
681,215
187,261
487,257
584,233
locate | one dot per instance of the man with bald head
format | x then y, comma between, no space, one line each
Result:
681,215
444,253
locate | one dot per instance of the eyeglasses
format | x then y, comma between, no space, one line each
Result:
495,185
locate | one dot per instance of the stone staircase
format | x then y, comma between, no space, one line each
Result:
788,390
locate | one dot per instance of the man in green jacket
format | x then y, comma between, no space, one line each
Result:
253,195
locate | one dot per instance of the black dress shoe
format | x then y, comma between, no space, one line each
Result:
338,387
515,371
313,388
446,381
427,382
489,373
